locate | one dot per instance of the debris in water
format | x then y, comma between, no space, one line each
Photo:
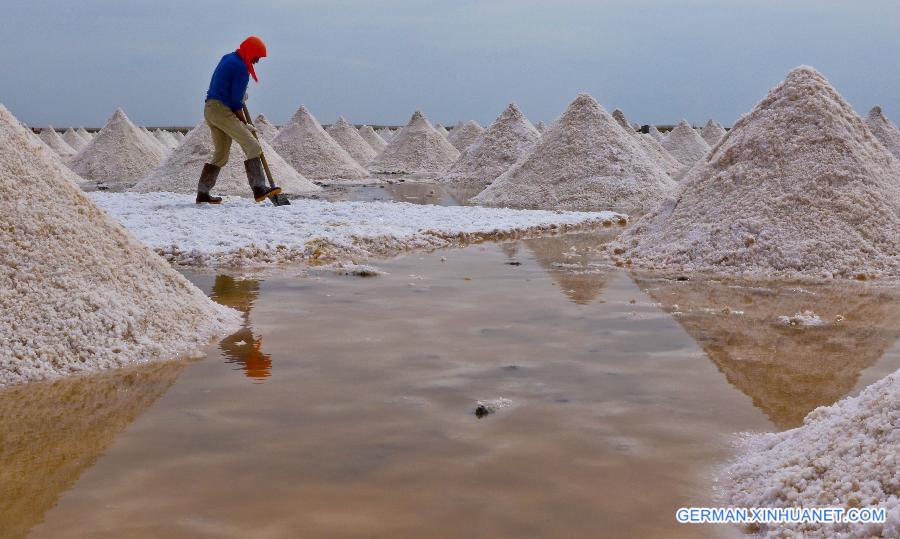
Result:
804,319
485,408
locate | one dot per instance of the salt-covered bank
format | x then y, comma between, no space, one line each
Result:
240,233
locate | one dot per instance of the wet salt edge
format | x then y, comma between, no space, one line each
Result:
241,232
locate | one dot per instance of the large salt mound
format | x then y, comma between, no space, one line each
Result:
884,130
417,148
660,155
509,138
540,126
56,143
620,118
652,147
312,152
584,161
442,131
79,293
47,154
153,140
685,144
800,187
87,136
181,170
654,132
74,140
265,128
712,132
845,455
349,138
463,136
173,140
386,134
374,139
120,154
168,142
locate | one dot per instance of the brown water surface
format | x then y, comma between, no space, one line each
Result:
344,407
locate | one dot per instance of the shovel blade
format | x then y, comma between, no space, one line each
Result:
280,200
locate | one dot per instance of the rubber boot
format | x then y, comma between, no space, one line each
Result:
208,177
256,175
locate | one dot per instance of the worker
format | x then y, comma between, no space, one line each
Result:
225,117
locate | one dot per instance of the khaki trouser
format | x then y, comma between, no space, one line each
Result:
225,126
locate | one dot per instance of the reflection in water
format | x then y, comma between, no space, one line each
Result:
412,192
510,249
50,433
573,260
242,348
463,194
421,193
786,370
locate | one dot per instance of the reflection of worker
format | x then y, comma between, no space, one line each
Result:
242,348
225,116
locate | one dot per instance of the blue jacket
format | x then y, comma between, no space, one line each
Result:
229,81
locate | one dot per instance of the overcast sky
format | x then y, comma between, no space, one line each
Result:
70,62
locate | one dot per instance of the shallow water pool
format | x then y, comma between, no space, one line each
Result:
344,408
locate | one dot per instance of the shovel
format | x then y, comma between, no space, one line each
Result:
280,199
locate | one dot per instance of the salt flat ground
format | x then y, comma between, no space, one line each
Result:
344,406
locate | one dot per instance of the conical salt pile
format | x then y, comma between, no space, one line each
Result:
844,455
685,144
502,144
349,138
584,161
85,134
179,136
654,132
417,148
620,118
80,293
73,139
48,154
374,139
265,128
442,131
540,126
385,133
312,152
884,130
164,139
660,155
464,135
152,138
56,143
712,132
120,154
181,170
800,187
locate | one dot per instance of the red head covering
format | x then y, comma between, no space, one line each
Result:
251,49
